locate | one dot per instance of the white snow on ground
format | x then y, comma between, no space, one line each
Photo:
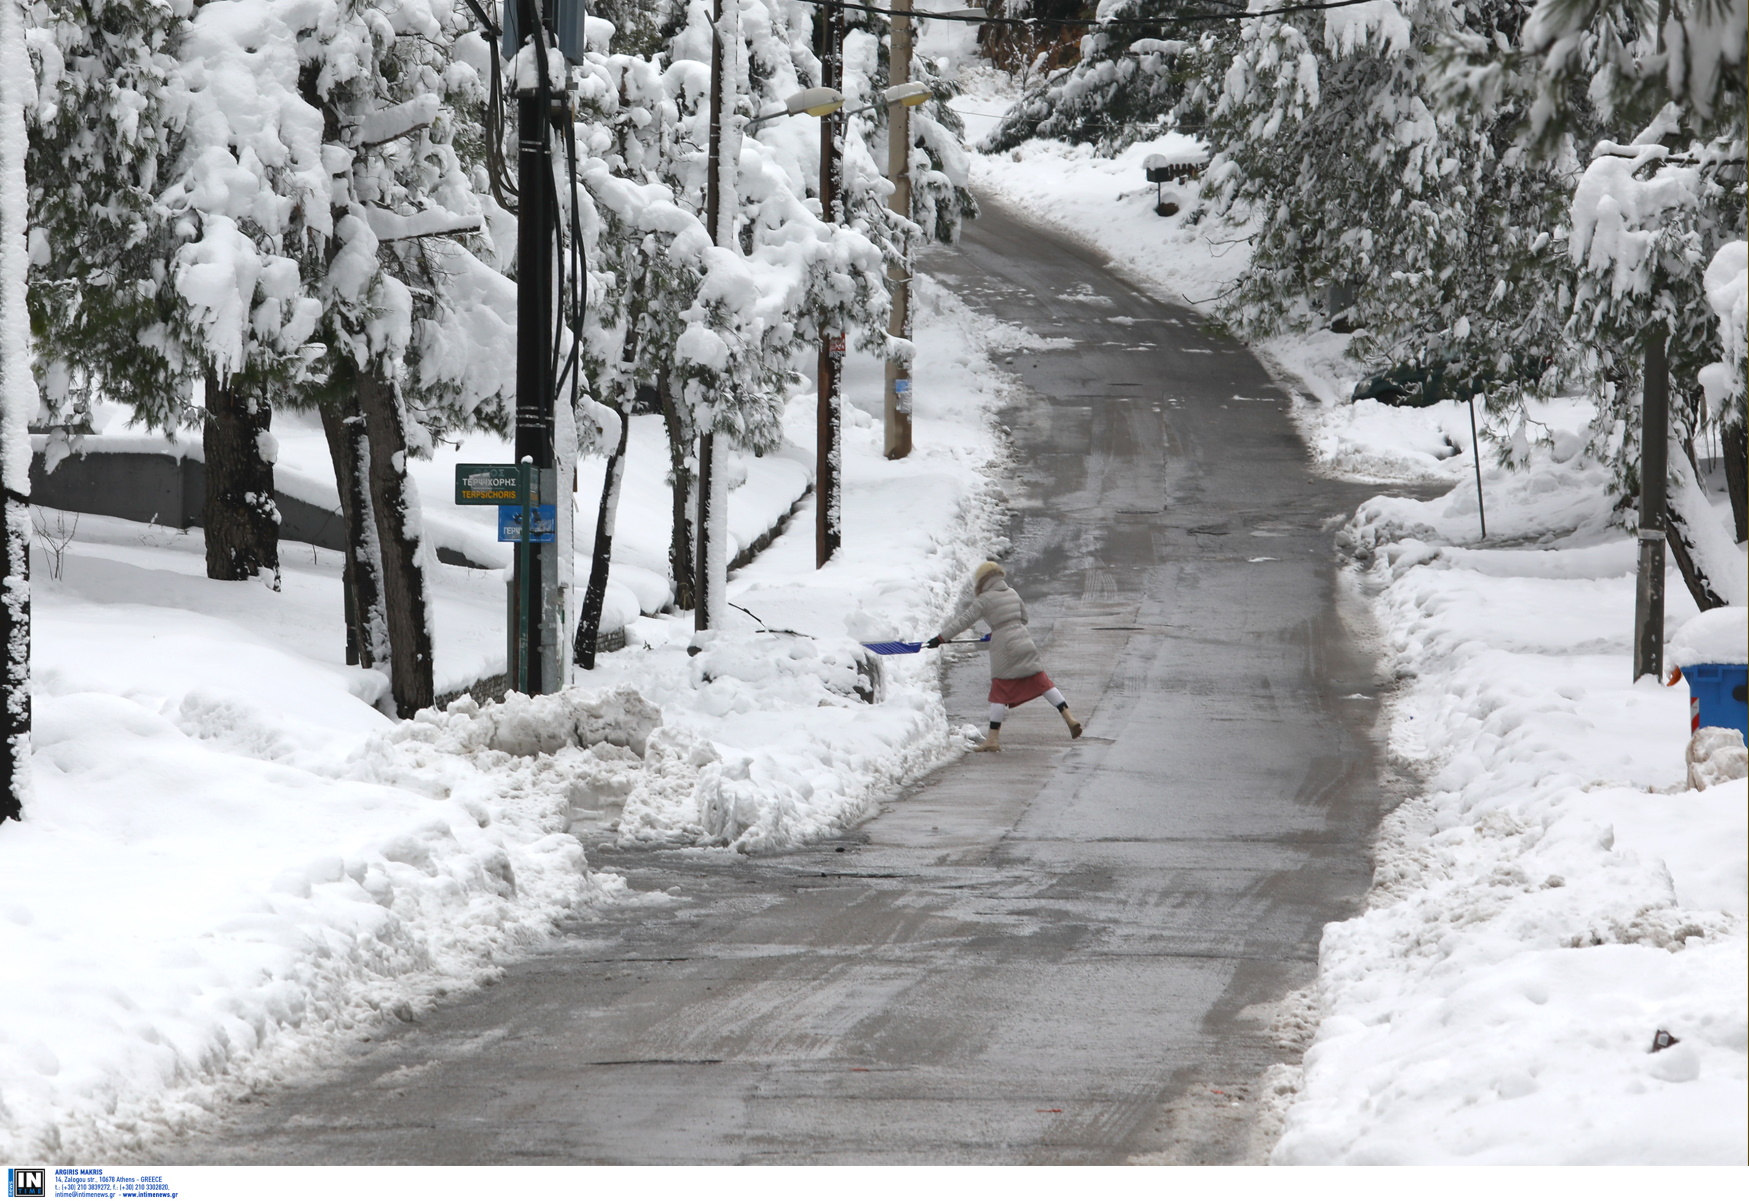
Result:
233,860
1555,895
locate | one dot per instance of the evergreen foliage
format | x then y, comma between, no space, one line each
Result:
1128,83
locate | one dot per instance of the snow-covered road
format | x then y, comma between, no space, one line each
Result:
1064,954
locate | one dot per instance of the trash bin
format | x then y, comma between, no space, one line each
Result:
1709,653
1718,695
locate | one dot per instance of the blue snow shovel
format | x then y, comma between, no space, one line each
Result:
911,648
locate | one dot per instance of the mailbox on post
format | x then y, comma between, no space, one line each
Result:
1170,168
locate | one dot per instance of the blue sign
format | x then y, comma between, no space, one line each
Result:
543,522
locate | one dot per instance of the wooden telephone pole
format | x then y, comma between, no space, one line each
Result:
1654,472
897,410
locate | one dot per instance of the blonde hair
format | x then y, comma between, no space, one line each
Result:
986,571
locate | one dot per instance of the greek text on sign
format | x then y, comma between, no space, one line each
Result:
486,484
543,523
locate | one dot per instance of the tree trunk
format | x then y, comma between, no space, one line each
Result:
589,623
1735,440
400,535
15,638
18,402
241,520
681,489
367,631
1702,546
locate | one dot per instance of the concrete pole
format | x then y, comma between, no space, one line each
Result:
828,414
1654,471
898,399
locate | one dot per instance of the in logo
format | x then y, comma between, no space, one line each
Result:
27,1182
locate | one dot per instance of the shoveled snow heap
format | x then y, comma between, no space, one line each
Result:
168,973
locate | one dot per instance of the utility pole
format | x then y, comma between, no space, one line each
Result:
897,410
537,642
709,565
1654,473
829,414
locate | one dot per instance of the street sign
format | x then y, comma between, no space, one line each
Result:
543,523
486,484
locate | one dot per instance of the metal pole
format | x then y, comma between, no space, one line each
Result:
897,410
1476,454
1654,472
534,332
829,411
524,580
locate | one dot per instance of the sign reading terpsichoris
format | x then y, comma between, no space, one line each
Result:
486,484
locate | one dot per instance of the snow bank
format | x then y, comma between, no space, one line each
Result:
232,859
541,725
1555,897
768,739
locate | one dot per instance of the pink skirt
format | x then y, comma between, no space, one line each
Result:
1018,692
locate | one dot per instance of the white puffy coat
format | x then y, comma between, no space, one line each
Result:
1012,653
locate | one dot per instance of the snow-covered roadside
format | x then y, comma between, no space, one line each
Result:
765,743
233,860
1554,897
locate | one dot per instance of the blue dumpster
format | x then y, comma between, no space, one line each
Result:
1718,695
1709,652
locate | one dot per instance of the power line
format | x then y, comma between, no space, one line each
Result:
1095,23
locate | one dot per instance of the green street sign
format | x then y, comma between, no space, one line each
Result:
487,484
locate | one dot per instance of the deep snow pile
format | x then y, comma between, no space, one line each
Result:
766,742
1556,896
233,858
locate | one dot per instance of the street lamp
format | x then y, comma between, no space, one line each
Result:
815,102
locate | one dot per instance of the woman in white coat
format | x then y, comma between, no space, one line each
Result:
1016,675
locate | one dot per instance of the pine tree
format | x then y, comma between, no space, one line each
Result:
1372,197
714,334
1127,82
403,299
272,198
1661,200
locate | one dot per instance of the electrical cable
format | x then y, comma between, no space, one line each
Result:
1095,23
498,174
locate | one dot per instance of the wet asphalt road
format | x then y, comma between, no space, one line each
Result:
1054,955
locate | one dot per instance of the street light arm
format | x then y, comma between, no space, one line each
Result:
815,102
